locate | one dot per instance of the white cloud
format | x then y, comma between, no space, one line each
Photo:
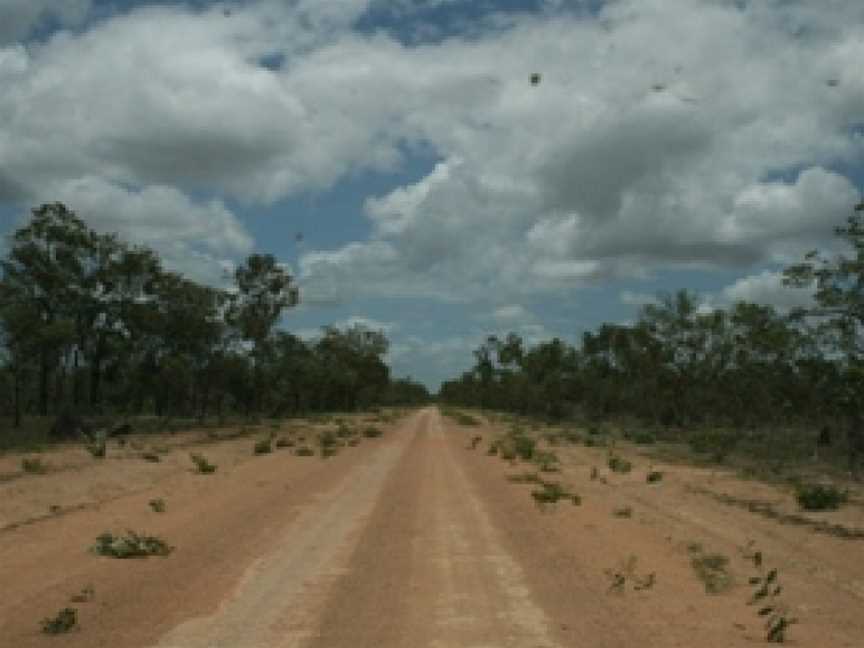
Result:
510,313
767,288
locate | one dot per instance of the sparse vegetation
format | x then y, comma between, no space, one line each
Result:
372,432
158,505
820,497
304,451
766,596
132,545
33,465
475,441
202,465
623,512
151,457
547,461
284,442
84,596
263,446
97,444
621,576
711,568
618,464
654,476
65,621
552,492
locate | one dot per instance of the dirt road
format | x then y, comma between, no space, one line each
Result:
414,540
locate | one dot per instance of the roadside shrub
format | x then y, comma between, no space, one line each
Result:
716,443
372,432
284,442
712,569
643,437
654,476
819,497
97,444
493,448
618,464
151,457
327,439
133,545
552,492
328,451
465,419
475,441
66,620
623,512
263,446
524,447
158,505
201,464
547,461
304,451
33,465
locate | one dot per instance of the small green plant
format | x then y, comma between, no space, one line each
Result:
158,505
151,457
551,492
201,464
97,444
618,464
766,595
33,465
524,447
525,478
654,476
66,620
304,451
623,512
625,573
548,461
372,432
820,497
132,545
713,570
263,446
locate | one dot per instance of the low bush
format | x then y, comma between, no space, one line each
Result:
654,476
151,457
201,464
716,443
284,442
820,497
623,512
158,505
618,464
97,444
66,620
132,545
713,570
304,451
372,432
547,461
33,465
264,446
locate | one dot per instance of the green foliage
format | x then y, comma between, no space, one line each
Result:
713,570
65,621
551,492
525,478
820,497
766,597
624,574
546,460
33,465
201,464
132,545
623,512
524,446
97,444
284,442
158,505
372,432
654,476
716,443
263,446
304,451
618,464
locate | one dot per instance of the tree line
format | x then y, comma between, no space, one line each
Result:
683,366
90,324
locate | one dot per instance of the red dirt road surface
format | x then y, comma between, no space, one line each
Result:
410,540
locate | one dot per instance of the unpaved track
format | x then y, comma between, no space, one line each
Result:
414,541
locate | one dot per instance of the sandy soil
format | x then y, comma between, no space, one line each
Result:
410,540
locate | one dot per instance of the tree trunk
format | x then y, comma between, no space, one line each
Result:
17,374
44,377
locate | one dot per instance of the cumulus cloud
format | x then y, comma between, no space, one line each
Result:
767,288
653,141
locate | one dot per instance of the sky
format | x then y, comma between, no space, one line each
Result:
395,155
